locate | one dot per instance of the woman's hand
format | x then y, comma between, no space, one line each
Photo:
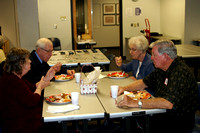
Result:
118,61
50,74
132,77
41,85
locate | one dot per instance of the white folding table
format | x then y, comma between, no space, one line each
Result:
79,57
90,107
190,53
112,111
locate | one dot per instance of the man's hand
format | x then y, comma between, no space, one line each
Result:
120,90
127,102
71,72
57,67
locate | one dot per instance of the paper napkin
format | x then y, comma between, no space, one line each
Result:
62,108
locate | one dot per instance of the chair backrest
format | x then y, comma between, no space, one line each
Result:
56,43
110,56
103,50
87,68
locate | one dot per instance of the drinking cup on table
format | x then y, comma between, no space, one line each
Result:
114,90
77,77
75,97
97,68
79,37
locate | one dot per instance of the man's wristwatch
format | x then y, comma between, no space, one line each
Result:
140,104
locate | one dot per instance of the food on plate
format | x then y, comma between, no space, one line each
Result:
63,77
138,95
60,98
117,74
134,95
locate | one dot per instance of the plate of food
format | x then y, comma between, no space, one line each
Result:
63,77
117,75
137,95
59,99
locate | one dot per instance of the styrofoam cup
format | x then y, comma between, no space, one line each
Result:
77,77
97,68
75,97
114,90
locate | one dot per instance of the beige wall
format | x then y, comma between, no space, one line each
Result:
180,19
192,21
105,36
50,13
7,21
149,9
27,15
19,21
172,18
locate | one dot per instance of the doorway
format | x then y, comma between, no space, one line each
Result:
104,33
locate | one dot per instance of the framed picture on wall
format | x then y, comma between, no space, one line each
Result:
108,8
108,20
117,8
117,19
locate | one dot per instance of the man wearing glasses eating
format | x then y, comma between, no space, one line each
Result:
39,59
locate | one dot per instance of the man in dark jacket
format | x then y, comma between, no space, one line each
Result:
39,59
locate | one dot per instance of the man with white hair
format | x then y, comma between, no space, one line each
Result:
175,89
39,59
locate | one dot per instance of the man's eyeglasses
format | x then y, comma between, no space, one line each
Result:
132,49
47,50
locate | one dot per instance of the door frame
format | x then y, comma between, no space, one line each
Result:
74,24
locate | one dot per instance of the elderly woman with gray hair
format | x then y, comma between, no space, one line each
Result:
20,109
141,64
